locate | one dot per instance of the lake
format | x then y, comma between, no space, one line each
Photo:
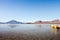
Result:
28,32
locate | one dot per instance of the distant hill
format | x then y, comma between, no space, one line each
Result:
57,21
12,22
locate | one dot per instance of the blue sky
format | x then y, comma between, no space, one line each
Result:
29,10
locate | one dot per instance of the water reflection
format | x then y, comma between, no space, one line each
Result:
12,26
55,31
38,25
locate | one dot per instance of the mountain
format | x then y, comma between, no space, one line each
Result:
13,22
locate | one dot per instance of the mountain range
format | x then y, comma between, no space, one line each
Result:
57,21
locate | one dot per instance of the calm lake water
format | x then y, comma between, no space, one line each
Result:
28,32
